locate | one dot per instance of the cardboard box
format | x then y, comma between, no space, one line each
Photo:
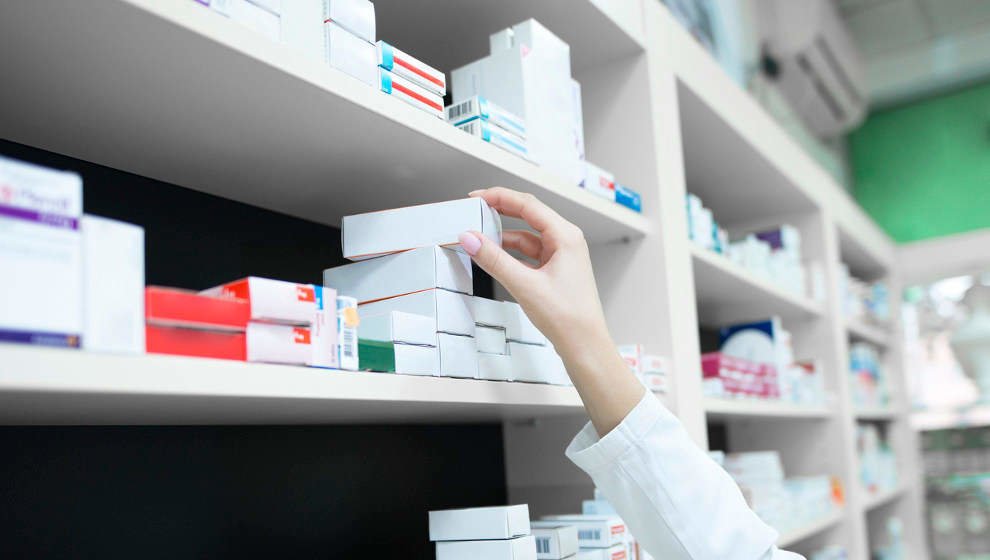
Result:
171,307
356,16
519,548
496,136
193,342
41,287
519,328
491,340
595,531
477,107
272,301
113,263
406,90
450,311
348,321
250,15
279,344
480,523
655,382
598,181
458,356
403,273
554,543
617,552
628,198
303,27
324,329
597,507
396,326
391,357
495,367
390,231
537,364
490,313
412,69
350,54
654,364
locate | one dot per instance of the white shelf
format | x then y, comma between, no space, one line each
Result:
858,330
173,91
875,500
811,529
58,386
729,293
753,408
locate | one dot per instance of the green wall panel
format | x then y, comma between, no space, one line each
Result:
923,170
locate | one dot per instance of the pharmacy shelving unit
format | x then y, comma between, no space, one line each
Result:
172,91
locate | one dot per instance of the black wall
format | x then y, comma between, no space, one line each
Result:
229,491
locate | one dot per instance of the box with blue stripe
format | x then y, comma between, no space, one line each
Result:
477,107
495,135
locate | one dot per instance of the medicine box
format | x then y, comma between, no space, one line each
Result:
632,354
628,198
595,531
496,136
598,181
489,312
390,231
348,321
491,340
407,91
324,329
477,107
399,358
412,69
519,328
193,342
403,273
356,16
303,27
41,287
458,356
272,301
396,326
617,552
350,54
251,15
519,548
495,367
496,522
279,344
450,311
554,543
171,307
113,310
537,364
597,507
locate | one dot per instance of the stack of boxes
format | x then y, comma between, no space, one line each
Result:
602,183
483,119
649,368
410,80
517,350
600,536
485,533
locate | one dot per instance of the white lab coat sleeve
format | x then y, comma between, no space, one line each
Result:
676,500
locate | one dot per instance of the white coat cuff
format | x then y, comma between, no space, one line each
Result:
592,454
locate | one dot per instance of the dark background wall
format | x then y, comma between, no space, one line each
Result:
230,491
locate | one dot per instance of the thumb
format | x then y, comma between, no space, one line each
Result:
493,259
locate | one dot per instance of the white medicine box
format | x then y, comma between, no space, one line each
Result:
480,523
403,273
113,265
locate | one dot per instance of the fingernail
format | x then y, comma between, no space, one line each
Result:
474,192
470,242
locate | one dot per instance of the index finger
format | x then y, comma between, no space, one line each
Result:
525,206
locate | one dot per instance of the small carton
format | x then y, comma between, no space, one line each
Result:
323,329
356,16
519,548
597,507
450,311
251,15
350,54
480,523
171,307
555,543
458,356
373,234
417,96
537,364
403,273
303,27
617,552
279,344
113,311
272,301
412,69
628,197
598,181
495,367
519,328
392,357
194,342
399,327
595,531
348,321
477,107
497,136
491,340
490,312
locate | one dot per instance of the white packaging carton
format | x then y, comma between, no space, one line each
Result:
554,543
655,373
350,54
113,264
595,531
597,507
403,273
598,181
413,94
450,311
411,68
417,360
250,15
491,340
477,107
356,16
519,548
490,313
272,301
458,356
326,352
279,344
390,231
617,552
496,136
348,321
495,367
399,327
41,287
519,328
537,364
481,523
303,27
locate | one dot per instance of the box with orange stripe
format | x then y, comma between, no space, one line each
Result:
412,69
399,87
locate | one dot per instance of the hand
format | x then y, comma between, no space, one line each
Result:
560,296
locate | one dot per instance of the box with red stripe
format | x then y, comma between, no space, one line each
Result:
399,87
414,70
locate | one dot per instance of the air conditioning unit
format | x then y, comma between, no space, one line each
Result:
820,71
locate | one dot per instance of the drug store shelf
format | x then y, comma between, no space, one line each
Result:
58,386
811,529
858,330
173,91
874,500
754,408
728,293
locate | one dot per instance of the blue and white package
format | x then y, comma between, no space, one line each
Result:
628,197
495,135
477,107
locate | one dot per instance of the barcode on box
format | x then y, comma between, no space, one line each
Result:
589,534
542,545
469,127
460,109
348,342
